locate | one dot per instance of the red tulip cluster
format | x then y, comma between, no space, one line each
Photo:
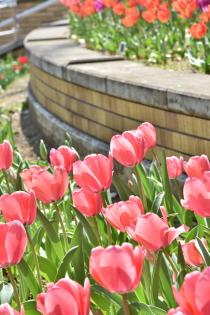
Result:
122,240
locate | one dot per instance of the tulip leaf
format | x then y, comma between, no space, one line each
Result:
78,258
103,299
29,278
48,227
203,251
87,227
47,268
30,308
166,185
122,189
64,265
155,285
147,185
157,202
143,309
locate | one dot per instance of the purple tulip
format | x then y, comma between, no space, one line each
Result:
99,5
203,4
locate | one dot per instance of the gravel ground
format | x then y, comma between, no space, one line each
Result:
14,103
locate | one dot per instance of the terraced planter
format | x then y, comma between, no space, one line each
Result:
95,96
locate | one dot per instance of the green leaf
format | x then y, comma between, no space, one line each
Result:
62,269
30,308
166,184
123,190
147,185
28,277
157,202
143,309
92,237
47,268
155,284
203,251
48,227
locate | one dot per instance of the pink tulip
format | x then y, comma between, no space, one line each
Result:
149,134
153,233
49,188
13,241
66,297
193,297
27,174
192,256
94,172
19,206
117,268
124,213
127,148
174,166
6,155
196,166
197,195
177,311
6,309
63,156
87,202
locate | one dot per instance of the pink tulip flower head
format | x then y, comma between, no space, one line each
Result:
191,254
123,214
13,240
197,195
153,232
193,297
49,187
87,202
116,268
19,206
63,156
66,297
94,172
6,309
149,134
6,155
174,166
27,175
128,148
196,166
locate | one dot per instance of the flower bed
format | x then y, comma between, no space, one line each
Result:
11,68
156,31
68,246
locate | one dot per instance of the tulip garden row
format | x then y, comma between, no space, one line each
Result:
159,31
69,246
11,68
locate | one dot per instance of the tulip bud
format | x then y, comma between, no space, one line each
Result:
43,150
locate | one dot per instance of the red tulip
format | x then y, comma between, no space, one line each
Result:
49,188
65,297
6,155
63,156
124,213
192,256
94,173
117,268
127,148
19,206
193,297
196,166
13,241
197,195
87,202
27,175
149,134
23,60
174,166
153,233
6,309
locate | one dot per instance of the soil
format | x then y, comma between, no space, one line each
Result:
13,102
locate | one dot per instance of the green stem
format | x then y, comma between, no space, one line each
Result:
170,260
105,203
126,305
6,180
97,230
35,257
12,280
141,189
62,226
